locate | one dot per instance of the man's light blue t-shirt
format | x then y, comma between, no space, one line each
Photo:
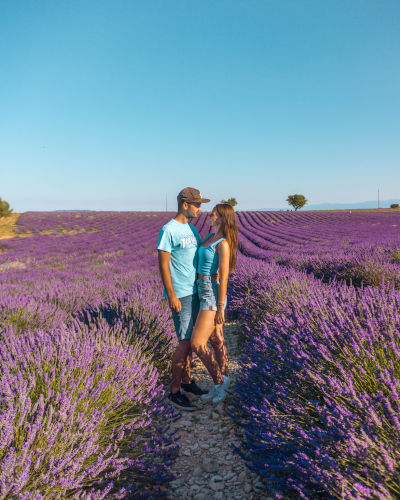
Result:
182,242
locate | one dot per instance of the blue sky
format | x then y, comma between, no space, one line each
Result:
133,100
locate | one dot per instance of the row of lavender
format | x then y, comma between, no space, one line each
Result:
356,247
84,343
319,392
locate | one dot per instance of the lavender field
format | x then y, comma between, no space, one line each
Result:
85,344
86,340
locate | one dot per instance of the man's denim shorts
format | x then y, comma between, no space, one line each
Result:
207,288
185,319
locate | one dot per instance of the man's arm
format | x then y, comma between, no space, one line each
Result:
163,264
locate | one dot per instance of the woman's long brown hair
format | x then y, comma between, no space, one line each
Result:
230,230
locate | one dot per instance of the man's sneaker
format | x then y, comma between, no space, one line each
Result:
181,401
210,395
221,390
193,388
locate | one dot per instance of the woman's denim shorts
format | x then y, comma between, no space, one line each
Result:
207,288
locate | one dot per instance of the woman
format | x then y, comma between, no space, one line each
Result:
217,252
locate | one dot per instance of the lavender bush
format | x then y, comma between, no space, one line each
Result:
318,398
138,307
74,404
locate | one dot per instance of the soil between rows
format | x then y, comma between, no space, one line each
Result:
207,466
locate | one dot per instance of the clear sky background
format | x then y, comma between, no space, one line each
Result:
111,105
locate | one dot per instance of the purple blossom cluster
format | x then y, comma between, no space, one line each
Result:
85,339
319,393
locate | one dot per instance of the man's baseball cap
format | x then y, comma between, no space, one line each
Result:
191,195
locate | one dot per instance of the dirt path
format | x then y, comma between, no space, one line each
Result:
7,226
207,467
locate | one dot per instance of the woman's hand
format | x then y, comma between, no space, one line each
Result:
220,316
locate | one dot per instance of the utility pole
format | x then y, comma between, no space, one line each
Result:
378,199
166,203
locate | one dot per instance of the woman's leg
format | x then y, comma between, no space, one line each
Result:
217,342
201,333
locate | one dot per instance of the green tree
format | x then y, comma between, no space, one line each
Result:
5,209
297,201
394,205
232,202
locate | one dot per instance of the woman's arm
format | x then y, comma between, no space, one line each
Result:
223,253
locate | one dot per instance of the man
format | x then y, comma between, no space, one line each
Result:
178,242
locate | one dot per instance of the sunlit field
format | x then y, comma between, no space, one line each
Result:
86,342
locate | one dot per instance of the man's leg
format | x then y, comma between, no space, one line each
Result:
180,359
186,370
181,365
184,323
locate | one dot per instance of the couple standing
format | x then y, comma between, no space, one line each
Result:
190,269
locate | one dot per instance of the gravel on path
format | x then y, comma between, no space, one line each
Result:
207,467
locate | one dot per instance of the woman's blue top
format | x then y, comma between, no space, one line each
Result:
208,260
